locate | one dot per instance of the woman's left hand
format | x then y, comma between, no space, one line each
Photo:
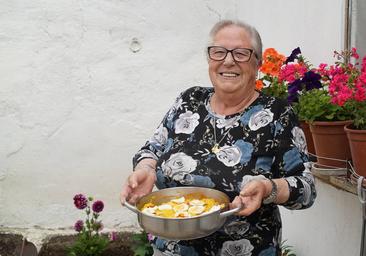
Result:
250,197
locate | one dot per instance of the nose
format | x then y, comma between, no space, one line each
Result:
229,59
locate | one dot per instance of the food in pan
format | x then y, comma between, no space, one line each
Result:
182,207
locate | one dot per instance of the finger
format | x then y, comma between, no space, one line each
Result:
249,189
126,190
134,198
235,203
132,181
251,205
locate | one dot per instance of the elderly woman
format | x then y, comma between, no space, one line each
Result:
232,138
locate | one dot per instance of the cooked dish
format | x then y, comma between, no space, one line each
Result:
182,207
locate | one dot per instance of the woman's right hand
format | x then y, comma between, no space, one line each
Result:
138,184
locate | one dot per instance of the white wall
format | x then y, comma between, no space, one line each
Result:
84,83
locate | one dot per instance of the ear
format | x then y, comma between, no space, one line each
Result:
259,64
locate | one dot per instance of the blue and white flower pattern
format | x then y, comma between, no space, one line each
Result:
187,122
299,138
178,165
262,141
241,247
229,155
260,119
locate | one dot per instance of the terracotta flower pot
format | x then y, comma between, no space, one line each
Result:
357,143
308,136
330,141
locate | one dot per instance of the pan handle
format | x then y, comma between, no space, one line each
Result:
131,207
230,212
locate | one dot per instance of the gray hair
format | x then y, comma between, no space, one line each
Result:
253,33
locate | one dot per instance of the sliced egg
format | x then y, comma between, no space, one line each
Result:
182,214
180,207
150,210
196,209
179,200
165,207
214,208
196,202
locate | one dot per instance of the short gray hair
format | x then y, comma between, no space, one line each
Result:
253,33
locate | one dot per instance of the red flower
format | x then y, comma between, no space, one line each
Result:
79,225
80,201
98,206
113,236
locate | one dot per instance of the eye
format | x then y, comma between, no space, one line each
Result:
242,54
218,52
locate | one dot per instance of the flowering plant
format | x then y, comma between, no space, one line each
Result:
89,240
141,244
347,85
289,78
269,81
306,92
328,93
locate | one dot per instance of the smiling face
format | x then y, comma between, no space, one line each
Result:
228,76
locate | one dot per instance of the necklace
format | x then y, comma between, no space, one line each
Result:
216,147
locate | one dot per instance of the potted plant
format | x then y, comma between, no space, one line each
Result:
328,112
350,91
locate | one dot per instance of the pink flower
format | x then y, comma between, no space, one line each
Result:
363,65
112,236
79,225
98,206
150,237
354,53
80,201
291,72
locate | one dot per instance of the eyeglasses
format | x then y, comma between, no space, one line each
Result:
239,54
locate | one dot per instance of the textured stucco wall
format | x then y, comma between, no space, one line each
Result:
83,84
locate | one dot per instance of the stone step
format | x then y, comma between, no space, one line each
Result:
12,245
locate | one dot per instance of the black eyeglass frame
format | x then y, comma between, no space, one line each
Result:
231,52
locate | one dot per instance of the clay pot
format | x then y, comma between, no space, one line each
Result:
357,143
331,143
308,136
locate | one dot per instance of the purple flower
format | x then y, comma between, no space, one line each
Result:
311,80
293,89
79,225
80,201
112,236
294,55
98,206
150,237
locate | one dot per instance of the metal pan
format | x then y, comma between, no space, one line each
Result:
182,228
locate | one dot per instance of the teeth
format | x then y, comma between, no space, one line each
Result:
229,74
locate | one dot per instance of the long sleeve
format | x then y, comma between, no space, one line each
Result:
160,141
292,162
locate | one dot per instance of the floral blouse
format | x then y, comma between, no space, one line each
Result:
264,140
